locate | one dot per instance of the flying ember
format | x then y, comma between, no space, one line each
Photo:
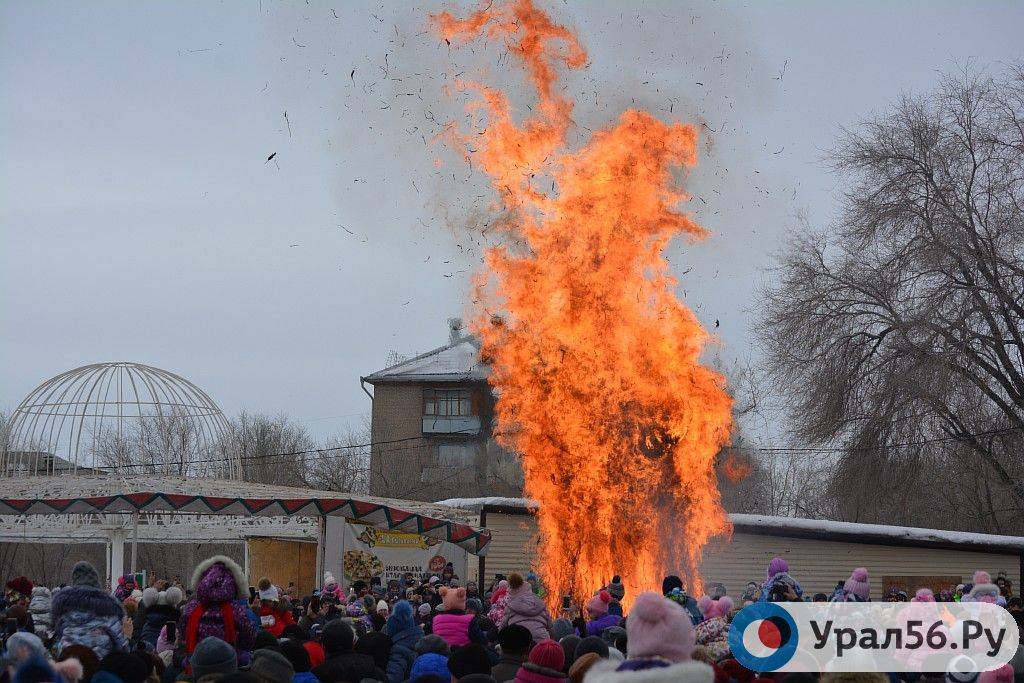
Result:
595,362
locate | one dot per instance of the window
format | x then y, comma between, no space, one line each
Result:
448,402
455,455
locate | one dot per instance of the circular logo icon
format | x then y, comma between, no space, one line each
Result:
437,563
763,636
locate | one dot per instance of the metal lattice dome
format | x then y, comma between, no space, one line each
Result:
118,417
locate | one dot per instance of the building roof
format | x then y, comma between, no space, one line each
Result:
48,495
852,532
458,361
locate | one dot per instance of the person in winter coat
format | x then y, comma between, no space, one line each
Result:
295,653
216,610
378,646
39,608
515,643
158,608
983,589
125,587
274,616
672,588
779,586
19,594
453,623
661,641
498,600
600,617
526,609
343,662
544,665
856,589
85,614
713,633
404,632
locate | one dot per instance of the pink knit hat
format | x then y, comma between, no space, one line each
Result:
923,595
720,607
658,627
859,584
598,605
1003,674
982,576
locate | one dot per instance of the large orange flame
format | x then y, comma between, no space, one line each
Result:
594,360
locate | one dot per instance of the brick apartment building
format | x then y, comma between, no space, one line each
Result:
431,426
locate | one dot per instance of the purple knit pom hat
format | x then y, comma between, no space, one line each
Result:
776,566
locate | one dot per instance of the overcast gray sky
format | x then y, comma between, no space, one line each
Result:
141,221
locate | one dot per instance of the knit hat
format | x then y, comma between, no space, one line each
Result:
658,627
471,659
560,628
474,605
70,670
265,640
1003,674
720,608
777,565
337,637
597,606
377,645
213,656
671,582
22,640
272,666
424,609
84,574
430,664
980,576
382,606
549,654
35,669
84,655
923,595
615,588
20,585
128,667
400,617
453,598
569,645
268,591
431,643
579,669
859,584
592,644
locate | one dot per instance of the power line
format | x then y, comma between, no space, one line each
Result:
427,442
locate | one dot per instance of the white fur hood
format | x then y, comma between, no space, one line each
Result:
684,672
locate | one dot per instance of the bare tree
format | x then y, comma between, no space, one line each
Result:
343,464
896,334
273,450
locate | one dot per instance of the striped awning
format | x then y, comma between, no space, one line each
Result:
50,495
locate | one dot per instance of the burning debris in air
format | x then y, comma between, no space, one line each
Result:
594,359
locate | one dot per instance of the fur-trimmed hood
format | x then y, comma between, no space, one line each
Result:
216,589
86,599
681,672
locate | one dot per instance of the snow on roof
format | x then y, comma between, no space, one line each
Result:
458,361
795,525
477,504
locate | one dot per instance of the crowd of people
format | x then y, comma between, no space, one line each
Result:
417,629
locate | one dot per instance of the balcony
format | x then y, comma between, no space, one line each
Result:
468,425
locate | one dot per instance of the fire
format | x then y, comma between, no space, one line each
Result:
595,362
